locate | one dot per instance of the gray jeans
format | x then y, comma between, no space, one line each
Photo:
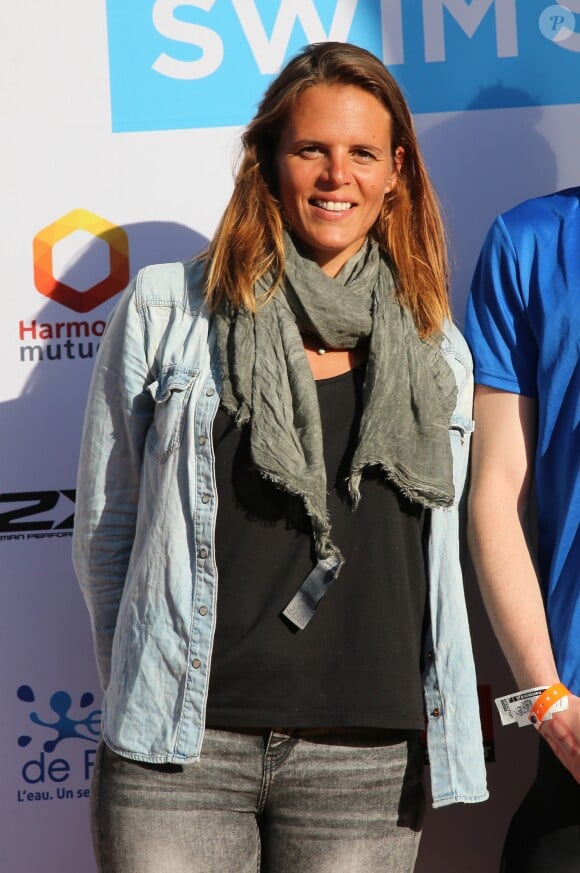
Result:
304,801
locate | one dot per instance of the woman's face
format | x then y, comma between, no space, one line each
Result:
334,166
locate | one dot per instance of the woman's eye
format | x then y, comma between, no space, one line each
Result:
310,150
363,154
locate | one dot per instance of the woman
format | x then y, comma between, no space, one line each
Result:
243,406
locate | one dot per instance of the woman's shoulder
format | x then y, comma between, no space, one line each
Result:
179,284
454,345
456,352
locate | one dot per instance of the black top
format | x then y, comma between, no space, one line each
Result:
358,661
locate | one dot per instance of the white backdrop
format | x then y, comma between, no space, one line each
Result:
88,169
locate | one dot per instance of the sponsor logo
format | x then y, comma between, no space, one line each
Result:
36,515
80,261
73,298
74,730
68,340
205,63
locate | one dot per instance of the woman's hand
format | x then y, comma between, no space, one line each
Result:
562,733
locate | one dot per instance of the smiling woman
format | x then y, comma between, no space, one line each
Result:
335,166
274,724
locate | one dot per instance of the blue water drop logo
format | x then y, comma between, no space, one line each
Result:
65,726
26,694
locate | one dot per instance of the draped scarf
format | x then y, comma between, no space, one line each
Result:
408,397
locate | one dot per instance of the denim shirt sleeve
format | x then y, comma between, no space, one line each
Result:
454,736
118,415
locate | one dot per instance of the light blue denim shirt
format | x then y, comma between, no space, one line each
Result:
144,539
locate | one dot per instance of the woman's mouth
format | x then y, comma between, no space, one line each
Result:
333,205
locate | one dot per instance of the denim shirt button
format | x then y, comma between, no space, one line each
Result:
210,392
203,553
206,498
203,610
202,440
196,663
436,712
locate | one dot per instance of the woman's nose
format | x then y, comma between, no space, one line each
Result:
336,170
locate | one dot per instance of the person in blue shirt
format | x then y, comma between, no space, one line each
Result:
523,326
243,405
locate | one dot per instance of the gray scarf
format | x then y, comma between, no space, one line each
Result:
409,394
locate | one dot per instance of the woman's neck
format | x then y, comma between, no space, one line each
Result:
326,363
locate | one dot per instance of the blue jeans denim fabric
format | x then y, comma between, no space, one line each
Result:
263,802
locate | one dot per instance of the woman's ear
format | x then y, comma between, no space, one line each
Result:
398,158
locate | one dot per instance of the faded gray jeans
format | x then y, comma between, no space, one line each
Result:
296,801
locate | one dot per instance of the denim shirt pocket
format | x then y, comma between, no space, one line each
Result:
171,393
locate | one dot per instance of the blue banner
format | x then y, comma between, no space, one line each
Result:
205,63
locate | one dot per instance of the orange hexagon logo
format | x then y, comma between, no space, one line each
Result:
118,245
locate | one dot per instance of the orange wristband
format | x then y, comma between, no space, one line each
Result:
546,700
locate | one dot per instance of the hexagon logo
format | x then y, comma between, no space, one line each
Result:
73,298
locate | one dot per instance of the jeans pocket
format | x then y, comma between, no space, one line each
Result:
171,393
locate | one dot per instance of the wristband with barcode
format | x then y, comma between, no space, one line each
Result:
544,703
520,707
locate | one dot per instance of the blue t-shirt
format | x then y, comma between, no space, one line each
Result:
523,326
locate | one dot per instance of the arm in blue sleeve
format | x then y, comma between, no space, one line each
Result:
497,326
118,415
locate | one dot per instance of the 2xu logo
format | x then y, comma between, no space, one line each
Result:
36,503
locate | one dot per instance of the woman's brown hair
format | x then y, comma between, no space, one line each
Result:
249,240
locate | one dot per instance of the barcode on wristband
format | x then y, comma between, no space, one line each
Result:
515,708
